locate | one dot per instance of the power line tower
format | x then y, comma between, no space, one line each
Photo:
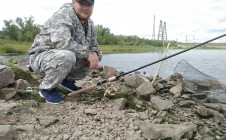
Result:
162,34
153,33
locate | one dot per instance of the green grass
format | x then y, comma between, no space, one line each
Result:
9,46
126,49
206,46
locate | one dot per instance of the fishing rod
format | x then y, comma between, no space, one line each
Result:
162,59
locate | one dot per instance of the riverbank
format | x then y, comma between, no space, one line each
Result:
131,108
8,46
211,62
206,46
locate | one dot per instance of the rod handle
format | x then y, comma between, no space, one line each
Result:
74,93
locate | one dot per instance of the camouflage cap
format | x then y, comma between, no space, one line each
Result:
89,1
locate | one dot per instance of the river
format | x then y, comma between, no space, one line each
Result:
210,62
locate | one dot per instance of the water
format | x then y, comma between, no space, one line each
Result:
210,62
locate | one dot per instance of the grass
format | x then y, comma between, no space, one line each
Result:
9,46
106,49
206,46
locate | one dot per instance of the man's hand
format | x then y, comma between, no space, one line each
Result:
93,60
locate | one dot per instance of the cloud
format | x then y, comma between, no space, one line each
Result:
202,19
223,20
217,30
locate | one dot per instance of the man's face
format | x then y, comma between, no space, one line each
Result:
83,9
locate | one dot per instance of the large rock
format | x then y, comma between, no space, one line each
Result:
145,89
119,104
160,104
177,90
109,71
218,98
7,132
7,93
6,76
167,131
21,84
134,80
6,108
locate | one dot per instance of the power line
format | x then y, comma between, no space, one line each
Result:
153,34
162,34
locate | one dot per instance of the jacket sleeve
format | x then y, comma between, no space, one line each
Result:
94,44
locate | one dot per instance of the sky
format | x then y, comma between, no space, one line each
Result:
186,20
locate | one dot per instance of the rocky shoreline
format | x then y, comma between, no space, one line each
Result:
131,108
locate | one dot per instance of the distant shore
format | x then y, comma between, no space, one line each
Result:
14,47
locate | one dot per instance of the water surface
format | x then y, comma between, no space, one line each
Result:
210,62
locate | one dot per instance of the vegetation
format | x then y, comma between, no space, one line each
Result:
19,73
20,30
125,49
11,46
17,36
7,46
105,37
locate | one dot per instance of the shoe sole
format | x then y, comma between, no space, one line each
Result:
48,101
41,94
54,103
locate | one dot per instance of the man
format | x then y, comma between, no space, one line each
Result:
65,49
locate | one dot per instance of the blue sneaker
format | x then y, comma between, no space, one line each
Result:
51,96
71,85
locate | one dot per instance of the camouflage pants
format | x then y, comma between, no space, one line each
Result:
57,65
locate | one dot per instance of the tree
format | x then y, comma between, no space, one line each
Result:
10,31
26,30
103,35
20,30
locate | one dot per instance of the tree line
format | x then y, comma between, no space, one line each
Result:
25,30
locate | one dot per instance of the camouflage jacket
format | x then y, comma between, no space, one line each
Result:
64,31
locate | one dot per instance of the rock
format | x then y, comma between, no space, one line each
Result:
134,80
218,98
176,90
144,89
131,135
215,106
162,116
199,96
223,108
7,93
189,87
47,120
167,131
119,104
25,128
109,71
176,77
7,132
160,104
91,111
7,76
21,84
186,103
6,108
203,112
